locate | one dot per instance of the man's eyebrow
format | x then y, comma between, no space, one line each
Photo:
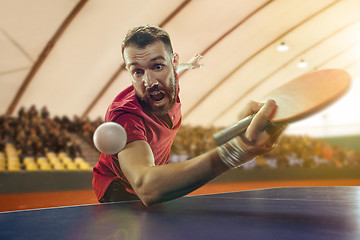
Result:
157,58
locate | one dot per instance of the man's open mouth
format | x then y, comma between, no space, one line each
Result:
157,96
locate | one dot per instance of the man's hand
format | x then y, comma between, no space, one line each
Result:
260,137
195,61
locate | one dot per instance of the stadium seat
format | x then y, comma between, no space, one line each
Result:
62,155
45,166
31,166
13,166
28,160
84,166
2,156
10,150
79,160
66,160
54,161
41,160
50,155
2,166
71,166
59,167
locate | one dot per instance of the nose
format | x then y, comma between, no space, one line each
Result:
148,80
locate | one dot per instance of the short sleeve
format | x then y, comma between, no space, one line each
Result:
134,127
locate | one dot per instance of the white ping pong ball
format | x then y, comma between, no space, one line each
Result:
110,138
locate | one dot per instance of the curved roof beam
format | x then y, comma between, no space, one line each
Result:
42,57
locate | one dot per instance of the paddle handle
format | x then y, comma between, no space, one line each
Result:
229,133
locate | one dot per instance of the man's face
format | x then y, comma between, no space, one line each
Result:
152,70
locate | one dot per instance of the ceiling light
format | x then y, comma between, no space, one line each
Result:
302,64
283,47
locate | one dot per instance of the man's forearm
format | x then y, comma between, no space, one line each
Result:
155,184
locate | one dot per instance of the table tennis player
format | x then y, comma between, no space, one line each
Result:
150,112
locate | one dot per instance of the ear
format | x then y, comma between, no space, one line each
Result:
176,61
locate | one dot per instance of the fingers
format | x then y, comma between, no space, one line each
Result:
260,120
251,108
198,57
260,136
195,61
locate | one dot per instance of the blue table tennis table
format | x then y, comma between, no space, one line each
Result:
277,213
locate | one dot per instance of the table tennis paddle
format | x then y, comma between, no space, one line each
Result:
297,99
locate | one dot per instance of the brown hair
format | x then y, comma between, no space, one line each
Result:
142,36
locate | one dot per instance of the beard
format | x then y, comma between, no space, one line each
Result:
170,92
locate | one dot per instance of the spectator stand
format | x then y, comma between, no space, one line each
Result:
43,148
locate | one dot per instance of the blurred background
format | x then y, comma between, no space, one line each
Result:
61,66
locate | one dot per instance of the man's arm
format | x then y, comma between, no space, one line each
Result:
155,184
193,63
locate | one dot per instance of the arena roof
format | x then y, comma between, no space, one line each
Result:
65,54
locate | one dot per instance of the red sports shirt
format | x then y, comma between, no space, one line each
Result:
140,124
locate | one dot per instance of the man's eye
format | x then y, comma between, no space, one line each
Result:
158,67
138,72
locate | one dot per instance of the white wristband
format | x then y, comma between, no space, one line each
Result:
233,155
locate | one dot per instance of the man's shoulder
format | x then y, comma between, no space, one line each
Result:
125,102
125,95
